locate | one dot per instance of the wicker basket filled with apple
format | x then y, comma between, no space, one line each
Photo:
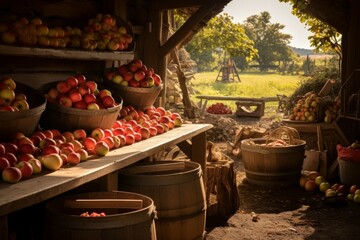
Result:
21,107
135,83
78,103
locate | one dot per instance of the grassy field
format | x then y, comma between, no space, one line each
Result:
254,85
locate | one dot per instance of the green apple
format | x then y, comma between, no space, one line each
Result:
324,186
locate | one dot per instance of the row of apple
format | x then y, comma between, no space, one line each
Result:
11,100
78,92
134,74
332,110
51,149
101,33
313,181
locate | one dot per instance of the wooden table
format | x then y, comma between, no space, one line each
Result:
191,139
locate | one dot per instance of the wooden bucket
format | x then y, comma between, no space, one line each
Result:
128,216
273,166
138,97
178,192
70,119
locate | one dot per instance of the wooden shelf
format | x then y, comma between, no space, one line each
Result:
65,53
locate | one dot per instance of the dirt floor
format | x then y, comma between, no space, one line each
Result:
283,213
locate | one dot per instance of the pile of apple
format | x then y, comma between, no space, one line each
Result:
10,99
332,110
134,74
219,108
100,33
313,181
93,214
78,92
25,156
306,108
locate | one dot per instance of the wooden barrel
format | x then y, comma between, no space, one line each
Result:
178,192
273,166
128,216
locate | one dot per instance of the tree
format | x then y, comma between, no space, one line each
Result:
271,43
325,38
221,34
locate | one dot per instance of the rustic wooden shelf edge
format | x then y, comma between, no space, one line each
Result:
65,53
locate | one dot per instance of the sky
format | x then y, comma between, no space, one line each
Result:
280,12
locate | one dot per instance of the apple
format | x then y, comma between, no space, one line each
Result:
36,165
68,136
11,158
133,67
117,142
130,139
24,157
26,169
52,161
4,163
56,133
8,81
139,75
89,143
357,192
66,150
356,198
319,180
97,133
109,141
5,108
65,101
93,106
128,76
342,189
48,133
310,185
80,105
133,83
329,193
75,96
46,142
108,101
62,87
117,79
104,92
178,122
20,96
89,98
101,148
83,154
113,45
160,128
92,86
73,82
8,95
11,175
350,196
79,134
157,79
21,104
77,144
73,158
335,186
83,90
108,132
118,131
153,131
81,78
2,149
353,189
50,149
27,148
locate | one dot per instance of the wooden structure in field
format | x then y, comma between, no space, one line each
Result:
228,72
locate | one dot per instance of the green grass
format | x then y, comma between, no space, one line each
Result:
253,84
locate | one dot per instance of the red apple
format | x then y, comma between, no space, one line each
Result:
65,101
89,98
144,132
130,139
108,132
157,79
53,93
72,82
26,169
91,85
11,158
50,149
77,144
139,75
75,96
47,142
81,78
83,154
117,142
36,165
73,158
118,131
62,87
68,136
104,92
27,148
89,143
79,134
2,149
128,76
83,90
133,83
80,105
11,174
109,141
4,163
108,101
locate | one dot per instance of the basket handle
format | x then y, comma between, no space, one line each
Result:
279,133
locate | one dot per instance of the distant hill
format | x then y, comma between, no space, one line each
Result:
303,51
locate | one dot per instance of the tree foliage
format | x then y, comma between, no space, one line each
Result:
325,38
220,35
271,43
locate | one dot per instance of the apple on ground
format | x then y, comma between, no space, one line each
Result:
11,174
36,165
101,148
25,168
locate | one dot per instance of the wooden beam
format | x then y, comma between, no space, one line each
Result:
166,5
186,29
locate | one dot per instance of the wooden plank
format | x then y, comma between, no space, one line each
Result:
156,168
49,184
233,98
